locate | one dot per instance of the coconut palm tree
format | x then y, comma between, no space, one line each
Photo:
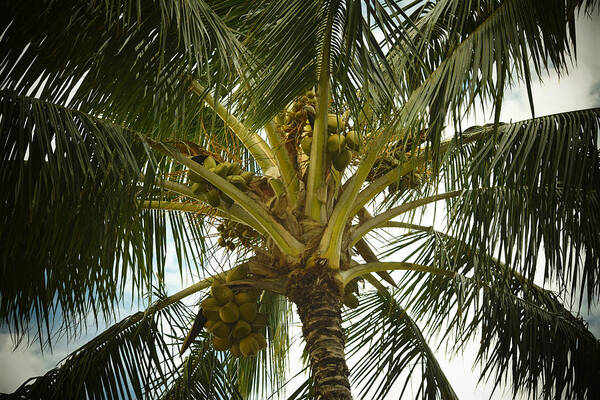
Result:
286,151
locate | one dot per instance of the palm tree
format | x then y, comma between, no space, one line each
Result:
284,139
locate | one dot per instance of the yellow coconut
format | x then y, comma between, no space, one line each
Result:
229,313
248,311
210,303
241,329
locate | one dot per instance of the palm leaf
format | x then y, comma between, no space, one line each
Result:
522,328
71,221
397,349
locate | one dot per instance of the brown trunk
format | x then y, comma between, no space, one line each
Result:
318,296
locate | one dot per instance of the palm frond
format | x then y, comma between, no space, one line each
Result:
396,349
523,329
472,50
541,178
72,231
129,360
128,61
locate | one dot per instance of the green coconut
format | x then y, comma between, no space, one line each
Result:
238,181
352,140
229,313
248,311
209,162
213,198
241,329
247,175
335,144
235,169
235,349
221,344
260,339
221,329
237,274
210,303
350,300
342,160
306,144
335,123
249,346
243,298
221,293
222,169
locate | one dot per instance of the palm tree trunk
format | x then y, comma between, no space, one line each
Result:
318,296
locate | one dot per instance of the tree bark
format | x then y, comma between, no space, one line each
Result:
318,295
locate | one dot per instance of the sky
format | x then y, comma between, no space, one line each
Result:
578,90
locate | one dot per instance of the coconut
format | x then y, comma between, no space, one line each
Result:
334,144
220,344
229,313
247,175
213,197
209,324
221,293
222,169
235,169
237,274
342,160
238,181
210,162
350,300
210,303
260,339
249,346
335,123
352,140
248,311
235,349
241,329
306,144
243,298
221,329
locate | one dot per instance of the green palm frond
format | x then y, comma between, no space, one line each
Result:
72,230
541,180
522,328
472,50
204,374
396,349
126,361
141,52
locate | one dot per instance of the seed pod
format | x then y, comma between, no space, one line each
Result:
210,162
213,197
260,339
221,329
237,274
248,346
334,144
342,160
243,298
248,311
335,123
306,144
353,140
247,175
241,329
229,313
221,293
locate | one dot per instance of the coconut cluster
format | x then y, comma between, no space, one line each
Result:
230,171
340,145
233,319
231,232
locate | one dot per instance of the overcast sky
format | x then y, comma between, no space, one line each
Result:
580,89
